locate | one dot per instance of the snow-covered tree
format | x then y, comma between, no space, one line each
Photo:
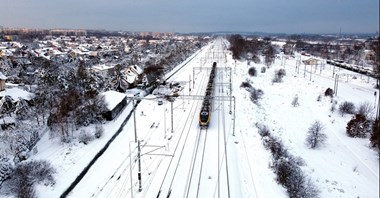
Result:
6,168
315,135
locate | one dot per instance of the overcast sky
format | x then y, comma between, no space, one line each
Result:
272,16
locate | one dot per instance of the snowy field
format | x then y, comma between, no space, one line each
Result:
235,162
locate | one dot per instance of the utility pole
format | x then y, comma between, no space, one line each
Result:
189,84
139,165
304,71
165,120
134,118
310,71
171,102
193,77
235,67
336,84
233,130
230,90
130,168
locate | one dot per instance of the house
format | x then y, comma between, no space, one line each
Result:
310,61
2,81
115,102
132,74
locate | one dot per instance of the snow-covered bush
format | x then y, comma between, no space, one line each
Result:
329,92
278,75
287,167
358,126
319,98
252,71
295,102
27,174
346,108
316,135
99,131
85,137
263,69
246,85
276,147
256,94
263,130
21,148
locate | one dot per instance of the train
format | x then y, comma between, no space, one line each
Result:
355,68
205,113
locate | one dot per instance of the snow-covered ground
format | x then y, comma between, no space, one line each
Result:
343,167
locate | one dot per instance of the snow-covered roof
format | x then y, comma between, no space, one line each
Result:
101,67
131,78
16,93
113,98
137,69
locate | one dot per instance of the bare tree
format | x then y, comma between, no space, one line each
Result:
316,135
365,109
270,55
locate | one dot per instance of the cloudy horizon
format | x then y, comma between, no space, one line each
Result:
271,16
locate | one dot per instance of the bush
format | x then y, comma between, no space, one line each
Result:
347,108
329,92
252,71
256,94
263,130
295,102
28,173
85,137
290,175
276,147
281,72
246,84
286,167
278,75
263,69
319,98
99,131
358,126
316,135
